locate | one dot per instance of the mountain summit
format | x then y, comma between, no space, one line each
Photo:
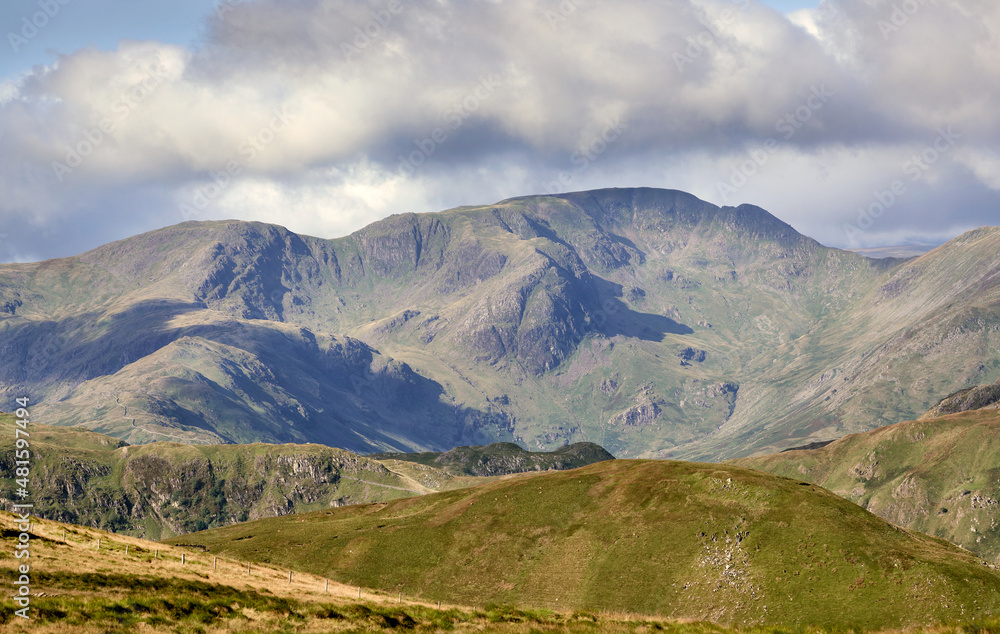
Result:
645,320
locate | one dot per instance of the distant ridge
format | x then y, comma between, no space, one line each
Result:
902,251
504,458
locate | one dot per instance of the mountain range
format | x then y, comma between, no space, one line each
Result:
648,321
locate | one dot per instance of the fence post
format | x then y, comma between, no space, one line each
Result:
215,564
289,576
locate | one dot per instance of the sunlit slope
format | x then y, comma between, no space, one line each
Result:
679,539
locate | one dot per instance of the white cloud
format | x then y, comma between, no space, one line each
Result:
308,115
985,164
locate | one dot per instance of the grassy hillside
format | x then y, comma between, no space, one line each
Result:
132,585
937,475
684,540
503,459
647,321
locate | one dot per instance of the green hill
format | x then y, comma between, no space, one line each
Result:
938,475
504,458
684,540
648,321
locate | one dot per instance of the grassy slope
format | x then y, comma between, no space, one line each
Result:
939,476
77,588
680,539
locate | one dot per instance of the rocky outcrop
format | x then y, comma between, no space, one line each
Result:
979,397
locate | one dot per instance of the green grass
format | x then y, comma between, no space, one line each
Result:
672,539
130,603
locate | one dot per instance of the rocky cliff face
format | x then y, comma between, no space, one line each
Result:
166,489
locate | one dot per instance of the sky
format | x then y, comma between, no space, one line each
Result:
860,122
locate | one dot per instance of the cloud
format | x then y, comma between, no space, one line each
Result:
324,116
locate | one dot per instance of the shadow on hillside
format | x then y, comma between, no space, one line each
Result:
296,387
67,350
615,317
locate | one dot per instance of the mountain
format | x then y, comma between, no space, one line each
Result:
684,540
503,459
647,321
939,475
